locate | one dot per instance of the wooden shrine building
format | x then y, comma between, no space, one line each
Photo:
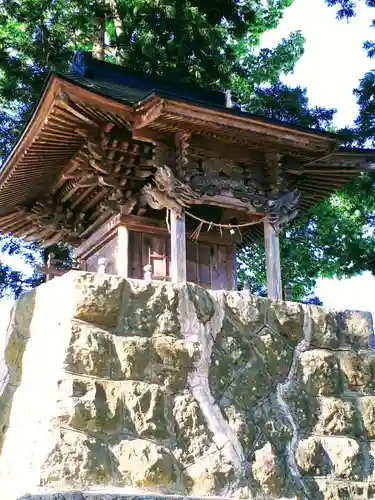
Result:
148,178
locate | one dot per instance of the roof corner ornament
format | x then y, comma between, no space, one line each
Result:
231,99
80,62
61,96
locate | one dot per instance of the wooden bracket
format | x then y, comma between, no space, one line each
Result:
181,140
148,113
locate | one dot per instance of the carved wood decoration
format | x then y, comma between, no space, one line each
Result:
181,140
213,177
111,170
168,192
48,222
147,113
108,164
105,176
283,209
282,202
112,173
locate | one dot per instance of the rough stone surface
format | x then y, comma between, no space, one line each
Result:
141,388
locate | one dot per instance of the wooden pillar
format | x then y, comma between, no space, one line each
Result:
123,252
271,240
235,277
178,247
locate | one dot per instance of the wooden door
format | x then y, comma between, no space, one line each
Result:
157,253
149,249
199,263
223,268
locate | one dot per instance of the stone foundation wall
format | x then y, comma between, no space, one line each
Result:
150,388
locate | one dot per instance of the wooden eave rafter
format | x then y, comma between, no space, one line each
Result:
79,94
319,179
50,140
30,133
55,99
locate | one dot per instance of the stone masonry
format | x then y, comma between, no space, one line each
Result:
148,388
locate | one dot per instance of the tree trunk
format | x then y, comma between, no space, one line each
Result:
119,28
115,11
98,45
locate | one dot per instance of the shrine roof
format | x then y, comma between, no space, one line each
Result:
130,87
52,153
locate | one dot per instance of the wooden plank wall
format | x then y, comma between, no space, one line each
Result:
135,255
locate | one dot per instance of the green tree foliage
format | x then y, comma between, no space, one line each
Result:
190,40
16,279
203,43
290,105
346,9
365,122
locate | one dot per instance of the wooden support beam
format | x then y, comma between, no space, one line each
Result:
178,247
146,114
271,240
123,252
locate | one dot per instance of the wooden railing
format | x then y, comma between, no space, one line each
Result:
53,267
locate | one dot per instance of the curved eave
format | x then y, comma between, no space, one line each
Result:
249,123
30,131
320,179
49,141
181,112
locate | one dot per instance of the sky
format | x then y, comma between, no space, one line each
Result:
334,60
332,65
